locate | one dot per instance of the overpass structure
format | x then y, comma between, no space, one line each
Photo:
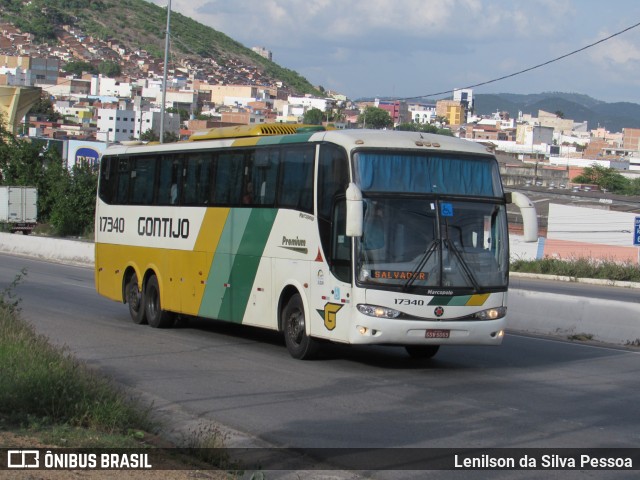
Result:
15,102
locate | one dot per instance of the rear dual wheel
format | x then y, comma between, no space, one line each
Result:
135,300
156,317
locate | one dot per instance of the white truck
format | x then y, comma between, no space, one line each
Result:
18,209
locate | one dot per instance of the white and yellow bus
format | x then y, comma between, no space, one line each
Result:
349,236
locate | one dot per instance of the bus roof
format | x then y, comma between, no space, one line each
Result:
358,138
349,139
241,131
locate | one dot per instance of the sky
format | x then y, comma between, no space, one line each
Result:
411,48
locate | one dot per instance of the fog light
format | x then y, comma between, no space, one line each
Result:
363,330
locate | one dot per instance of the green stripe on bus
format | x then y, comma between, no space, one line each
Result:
459,301
235,263
295,138
451,301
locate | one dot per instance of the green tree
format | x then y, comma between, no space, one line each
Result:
74,205
44,106
78,68
424,127
374,117
25,163
313,116
109,69
607,178
183,112
151,136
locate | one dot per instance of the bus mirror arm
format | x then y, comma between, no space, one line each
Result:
529,216
355,211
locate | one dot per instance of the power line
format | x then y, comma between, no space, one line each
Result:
530,68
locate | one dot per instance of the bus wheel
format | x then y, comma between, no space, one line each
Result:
422,351
135,300
156,317
299,344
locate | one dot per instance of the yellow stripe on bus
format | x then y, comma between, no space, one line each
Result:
477,300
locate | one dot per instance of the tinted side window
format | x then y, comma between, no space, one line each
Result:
169,180
197,179
228,183
264,176
333,180
124,177
108,178
142,180
333,177
296,180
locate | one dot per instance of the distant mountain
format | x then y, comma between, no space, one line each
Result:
612,116
140,25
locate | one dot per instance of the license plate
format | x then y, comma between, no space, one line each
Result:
433,333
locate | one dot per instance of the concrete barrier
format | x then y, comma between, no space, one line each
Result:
47,248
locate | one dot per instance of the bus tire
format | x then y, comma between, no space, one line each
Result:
135,300
299,344
422,351
156,317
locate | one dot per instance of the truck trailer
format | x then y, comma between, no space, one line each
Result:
18,209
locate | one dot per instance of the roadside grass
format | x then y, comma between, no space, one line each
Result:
45,388
52,398
580,268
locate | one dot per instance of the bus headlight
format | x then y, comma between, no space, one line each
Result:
376,311
490,314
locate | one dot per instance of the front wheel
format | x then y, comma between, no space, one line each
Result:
156,317
299,344
422,351
135,300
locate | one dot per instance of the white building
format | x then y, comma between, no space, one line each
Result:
123,125
308,103
105,86
421,113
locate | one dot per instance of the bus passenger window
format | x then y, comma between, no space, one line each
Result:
229,174
296,183
142,179
169,180
197,179
264,176
124,177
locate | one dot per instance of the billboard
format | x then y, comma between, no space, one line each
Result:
82,152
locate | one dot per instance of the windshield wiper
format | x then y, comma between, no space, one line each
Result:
425,258
463,263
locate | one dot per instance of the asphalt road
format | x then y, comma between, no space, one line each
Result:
530,392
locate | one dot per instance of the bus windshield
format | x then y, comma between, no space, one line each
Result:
409,243
408,172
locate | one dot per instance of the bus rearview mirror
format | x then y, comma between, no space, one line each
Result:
355,211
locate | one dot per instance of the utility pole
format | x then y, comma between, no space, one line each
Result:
164,73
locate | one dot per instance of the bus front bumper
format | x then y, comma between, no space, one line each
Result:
370,330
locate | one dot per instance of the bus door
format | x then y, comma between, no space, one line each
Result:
331,291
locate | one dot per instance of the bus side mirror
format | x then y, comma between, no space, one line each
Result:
355,209
529,217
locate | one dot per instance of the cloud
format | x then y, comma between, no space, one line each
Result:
430,45
617,51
